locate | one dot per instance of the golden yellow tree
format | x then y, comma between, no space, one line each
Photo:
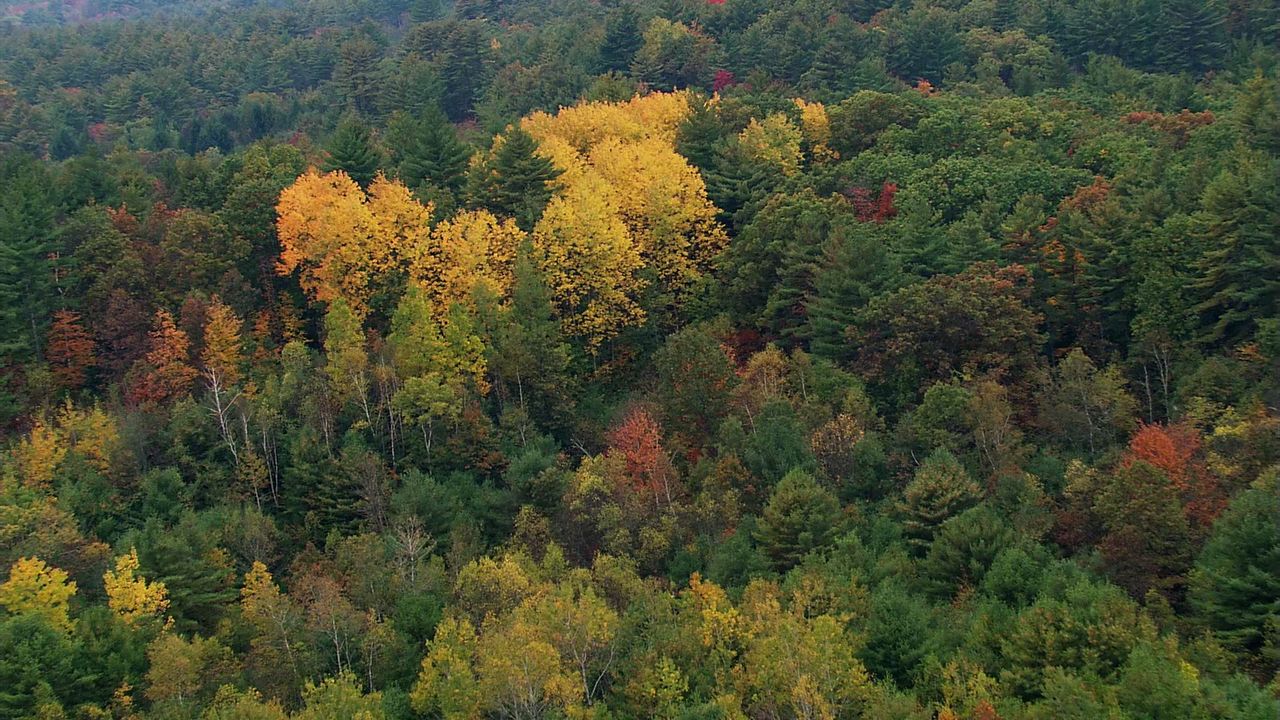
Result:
34,588
38,455
590,262
130,595
220,366
342,242
662,199
471,249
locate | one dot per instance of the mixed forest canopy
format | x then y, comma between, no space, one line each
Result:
678,359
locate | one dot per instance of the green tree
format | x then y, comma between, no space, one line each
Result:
1193,34
939,490
26,225
1236,580
801,517
515,181
430,153
622,39
352,150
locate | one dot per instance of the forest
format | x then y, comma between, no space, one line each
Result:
671,360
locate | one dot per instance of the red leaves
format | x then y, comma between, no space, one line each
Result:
1175,450
874,209
723,78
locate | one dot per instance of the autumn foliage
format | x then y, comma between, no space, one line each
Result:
69,350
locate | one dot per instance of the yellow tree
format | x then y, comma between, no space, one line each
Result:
34,588
37,456
590,263
774,142
90,432
277,619
130,595
662,199
469,250
446,684
344,243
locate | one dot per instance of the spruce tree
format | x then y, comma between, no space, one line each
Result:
801,517
1194,34
26,220
516,182
433,155
622,39
351,149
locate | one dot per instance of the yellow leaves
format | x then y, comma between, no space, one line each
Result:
590,262
816,128
656,116
91,433
130,595
340,241
471,249
223,346
38,456
775,142
446,683
34,588
662,199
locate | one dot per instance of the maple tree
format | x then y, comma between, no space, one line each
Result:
638,439
469,251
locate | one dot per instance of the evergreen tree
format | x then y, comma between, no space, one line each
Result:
26,222
352,150
940,490
801,517
516,182
1235,587
856,267
1194,35
622,38
432,155
1240,270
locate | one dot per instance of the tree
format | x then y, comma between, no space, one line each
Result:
1193,34
675,56
470,252
965,548
431,154
346,361
26,224
590,263
69,349
638,439
940,489
1087,407
34,588
130,595
975,323
1236,579
221,362
622,39
695,380
446,682
1239,269
801,517
165,373
346,244
514,181
352,151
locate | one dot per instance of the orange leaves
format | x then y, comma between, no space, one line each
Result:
1176,451
165,373
223,346
638,440
69,350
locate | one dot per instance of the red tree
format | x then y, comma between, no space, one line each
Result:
1176,450
69,350
638,439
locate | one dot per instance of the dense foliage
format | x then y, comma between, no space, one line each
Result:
683,359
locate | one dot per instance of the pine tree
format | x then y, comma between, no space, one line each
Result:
1240,270
352,150
1194,35
26,221
801,517
940,490
856,267
622,38
516,182
433,155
